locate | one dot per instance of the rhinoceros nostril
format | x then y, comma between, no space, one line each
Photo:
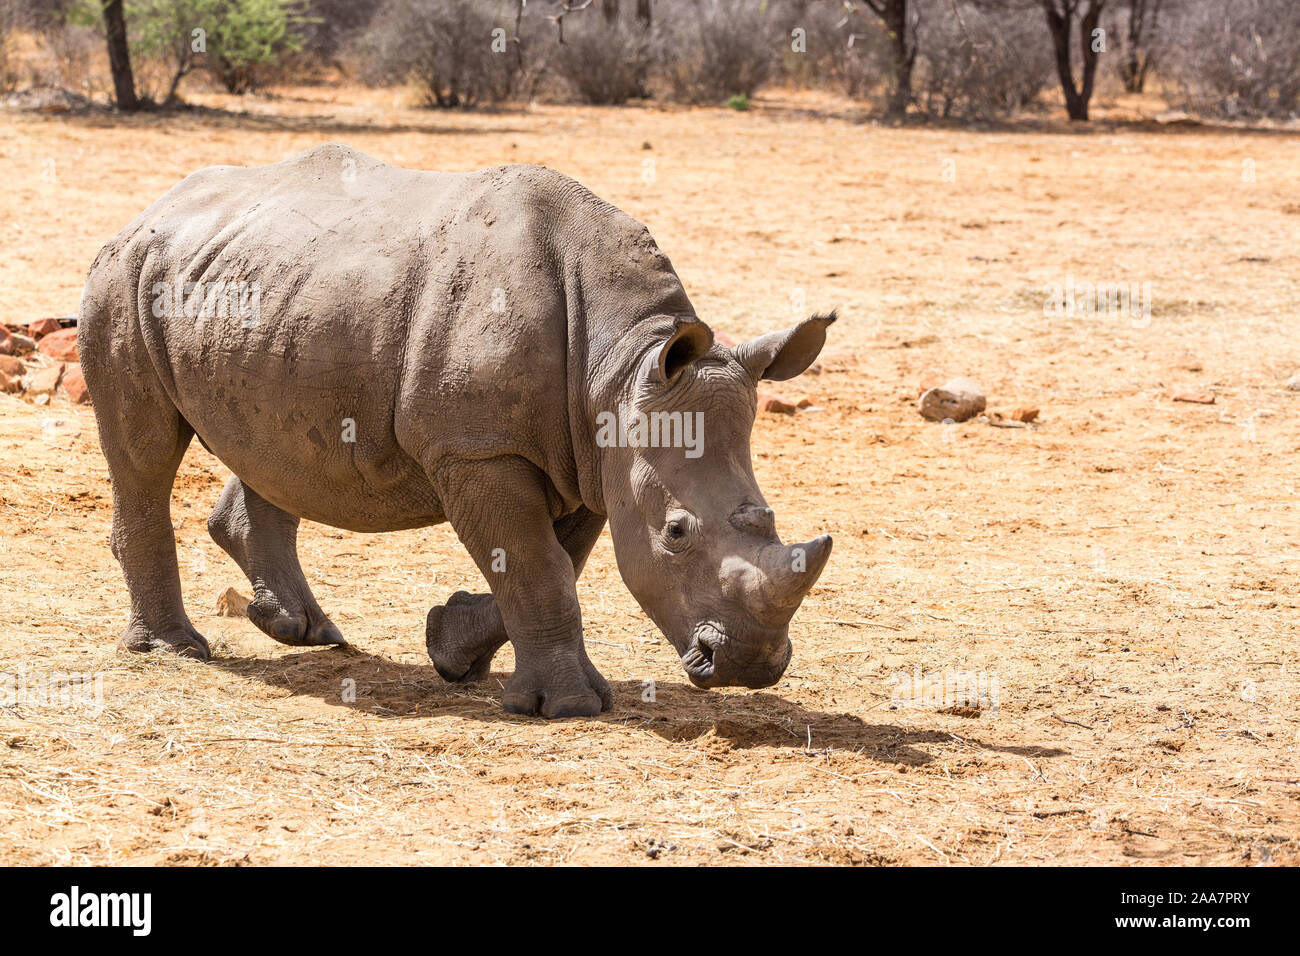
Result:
758,519
699,658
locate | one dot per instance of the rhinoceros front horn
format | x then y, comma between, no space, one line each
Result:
793,570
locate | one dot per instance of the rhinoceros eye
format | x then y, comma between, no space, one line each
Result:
677,531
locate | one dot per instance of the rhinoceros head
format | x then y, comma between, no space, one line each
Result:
695,540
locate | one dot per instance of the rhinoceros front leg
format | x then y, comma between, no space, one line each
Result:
499,510
464,634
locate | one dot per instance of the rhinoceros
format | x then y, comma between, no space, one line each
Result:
377,348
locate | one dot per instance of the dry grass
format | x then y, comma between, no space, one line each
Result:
1125,569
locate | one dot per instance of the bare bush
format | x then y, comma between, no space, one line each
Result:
329,25
448,49
979,63
8,67
831,49
709,50
1137,25
603,61
1238,60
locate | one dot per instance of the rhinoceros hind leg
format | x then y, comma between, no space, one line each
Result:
183,640
263,540
463,635
144,439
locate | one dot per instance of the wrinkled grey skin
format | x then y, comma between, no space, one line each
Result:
471,327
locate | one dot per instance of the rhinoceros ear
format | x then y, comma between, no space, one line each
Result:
690,341
782,355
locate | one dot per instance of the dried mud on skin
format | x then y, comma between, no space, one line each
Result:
1125,567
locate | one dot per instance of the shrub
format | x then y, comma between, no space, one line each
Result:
836,50
447,48
714,49
602,62
979,64
8,26
1238,60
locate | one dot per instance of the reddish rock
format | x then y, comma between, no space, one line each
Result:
12,365
21,344
46,380
43,327
60,345
771,402
6,341
1026,413
10,382
74,385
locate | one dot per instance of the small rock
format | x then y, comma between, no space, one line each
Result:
804,402
770,402
1026,413
1293,383
12,365
74,384
10,382
6,341
45,381
957,400
1196,398
233,604
60,345
21,344
42,327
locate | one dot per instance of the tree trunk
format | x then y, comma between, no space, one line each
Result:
902,55
119,56
610,9
643,13
1089,23
1060,21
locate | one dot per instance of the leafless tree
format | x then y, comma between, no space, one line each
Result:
1142,21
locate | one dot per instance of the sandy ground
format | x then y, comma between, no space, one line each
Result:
1124,570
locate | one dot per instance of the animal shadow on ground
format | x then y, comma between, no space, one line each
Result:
678,712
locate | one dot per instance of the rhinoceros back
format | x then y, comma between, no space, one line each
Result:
345,323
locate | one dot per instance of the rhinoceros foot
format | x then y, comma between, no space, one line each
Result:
184,641
463,635
298,627
556,683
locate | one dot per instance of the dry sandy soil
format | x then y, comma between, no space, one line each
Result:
1125,569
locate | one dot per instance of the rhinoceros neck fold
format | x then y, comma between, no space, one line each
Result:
620,292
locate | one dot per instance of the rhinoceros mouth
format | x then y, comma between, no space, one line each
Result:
699,658
716,658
